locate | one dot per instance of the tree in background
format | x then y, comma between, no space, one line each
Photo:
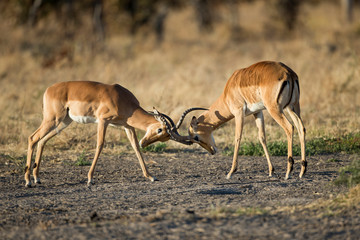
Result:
347,6
150,14
288,11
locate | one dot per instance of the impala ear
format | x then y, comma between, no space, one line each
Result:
194,122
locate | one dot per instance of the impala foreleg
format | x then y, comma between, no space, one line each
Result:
239,122
130,132
259,120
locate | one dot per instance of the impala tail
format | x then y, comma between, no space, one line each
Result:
289,92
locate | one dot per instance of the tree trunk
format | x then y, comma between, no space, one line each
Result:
347,9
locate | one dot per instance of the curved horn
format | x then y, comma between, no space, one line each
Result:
170,128
174,135
185,113
170,120
157,113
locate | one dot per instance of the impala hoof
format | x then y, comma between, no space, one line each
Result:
271,172
228,176
274,176
303,169
28,185
90,183
153,179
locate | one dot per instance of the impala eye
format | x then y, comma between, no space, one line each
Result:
159,130
196,138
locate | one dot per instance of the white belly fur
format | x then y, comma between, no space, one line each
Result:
82,119
254,108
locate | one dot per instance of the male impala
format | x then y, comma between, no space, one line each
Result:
264,85
93,102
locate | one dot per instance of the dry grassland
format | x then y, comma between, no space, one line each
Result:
189,69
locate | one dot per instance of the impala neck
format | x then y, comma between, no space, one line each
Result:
217,114
140,119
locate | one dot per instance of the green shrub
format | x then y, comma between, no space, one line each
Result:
349,175
159,147
81,160
349,143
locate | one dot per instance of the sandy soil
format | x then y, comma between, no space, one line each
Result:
191,200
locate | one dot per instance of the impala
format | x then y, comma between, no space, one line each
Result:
93,102
264,85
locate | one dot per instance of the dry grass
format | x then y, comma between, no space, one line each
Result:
189,69
336,206
339,205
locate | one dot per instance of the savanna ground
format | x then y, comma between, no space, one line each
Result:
192,198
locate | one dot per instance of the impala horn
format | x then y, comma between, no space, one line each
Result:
171,128
185,113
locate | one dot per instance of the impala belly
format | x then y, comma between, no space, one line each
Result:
82,119
82,111
251,108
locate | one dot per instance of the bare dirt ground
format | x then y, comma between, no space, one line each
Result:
191,200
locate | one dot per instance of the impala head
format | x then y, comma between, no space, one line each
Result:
163,130
155,132
201,133
166,129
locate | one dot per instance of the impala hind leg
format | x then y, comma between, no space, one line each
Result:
281,119
101,131
130,132
45,127
295,116
41,144
239,123
259,120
